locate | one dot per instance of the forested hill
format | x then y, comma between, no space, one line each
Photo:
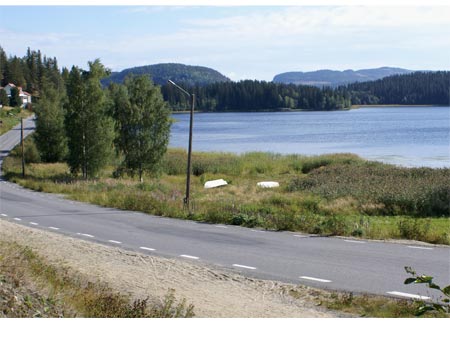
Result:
160,73
414,88
334,78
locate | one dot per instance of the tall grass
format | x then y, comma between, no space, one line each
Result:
382,189
338,194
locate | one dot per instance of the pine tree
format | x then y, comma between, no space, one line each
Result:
15,100
143,124
4,99
50,133
89,130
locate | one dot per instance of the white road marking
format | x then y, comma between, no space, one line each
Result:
34,223
409,295
316,279
112,241
86,235
17,219
145,248
4,215
301,236
244,266
53,228
188,256
350,241
419,247
221,226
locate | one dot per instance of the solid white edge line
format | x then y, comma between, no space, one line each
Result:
34,223
53,228
221,226
112,241
300,236
409,295
316,279
145,248
244,266
17,219
350,241
419,247
188,256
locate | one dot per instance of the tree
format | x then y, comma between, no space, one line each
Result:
90,131
50,133
4,99
15,100
143,124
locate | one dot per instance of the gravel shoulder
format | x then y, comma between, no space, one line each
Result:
214,293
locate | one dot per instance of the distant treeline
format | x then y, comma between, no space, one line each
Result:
410,89
432,88
31,71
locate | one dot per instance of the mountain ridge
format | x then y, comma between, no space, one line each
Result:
334,78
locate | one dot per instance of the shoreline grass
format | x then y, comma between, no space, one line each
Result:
339,194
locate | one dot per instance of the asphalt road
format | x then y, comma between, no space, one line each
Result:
360,266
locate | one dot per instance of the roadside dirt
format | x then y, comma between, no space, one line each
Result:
214,293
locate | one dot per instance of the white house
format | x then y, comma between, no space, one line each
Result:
26,97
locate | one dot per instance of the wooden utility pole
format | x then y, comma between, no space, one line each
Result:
23,147
188,171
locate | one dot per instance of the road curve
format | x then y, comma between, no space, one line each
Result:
327,262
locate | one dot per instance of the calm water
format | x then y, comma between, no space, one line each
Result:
407,136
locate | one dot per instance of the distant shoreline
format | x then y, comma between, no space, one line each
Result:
287,110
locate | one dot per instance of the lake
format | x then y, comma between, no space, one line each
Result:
406,136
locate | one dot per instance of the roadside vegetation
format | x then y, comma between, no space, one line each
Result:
325,195
10,117
31,287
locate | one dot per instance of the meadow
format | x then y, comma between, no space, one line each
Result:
328,195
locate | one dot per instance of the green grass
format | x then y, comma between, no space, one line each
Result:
338,194
10,117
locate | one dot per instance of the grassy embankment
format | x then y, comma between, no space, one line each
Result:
31,287
326,195
10,117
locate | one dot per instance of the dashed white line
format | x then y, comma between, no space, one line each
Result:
350,241
86,235
408,295
4,215
188,256
34,223
17,219
112,241
244,266
145,248
316,279
419,247
221,226
53,228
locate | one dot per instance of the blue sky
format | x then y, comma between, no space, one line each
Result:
240,42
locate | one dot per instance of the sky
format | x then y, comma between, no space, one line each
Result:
241,42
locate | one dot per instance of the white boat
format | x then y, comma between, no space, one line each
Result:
268,184
215,183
